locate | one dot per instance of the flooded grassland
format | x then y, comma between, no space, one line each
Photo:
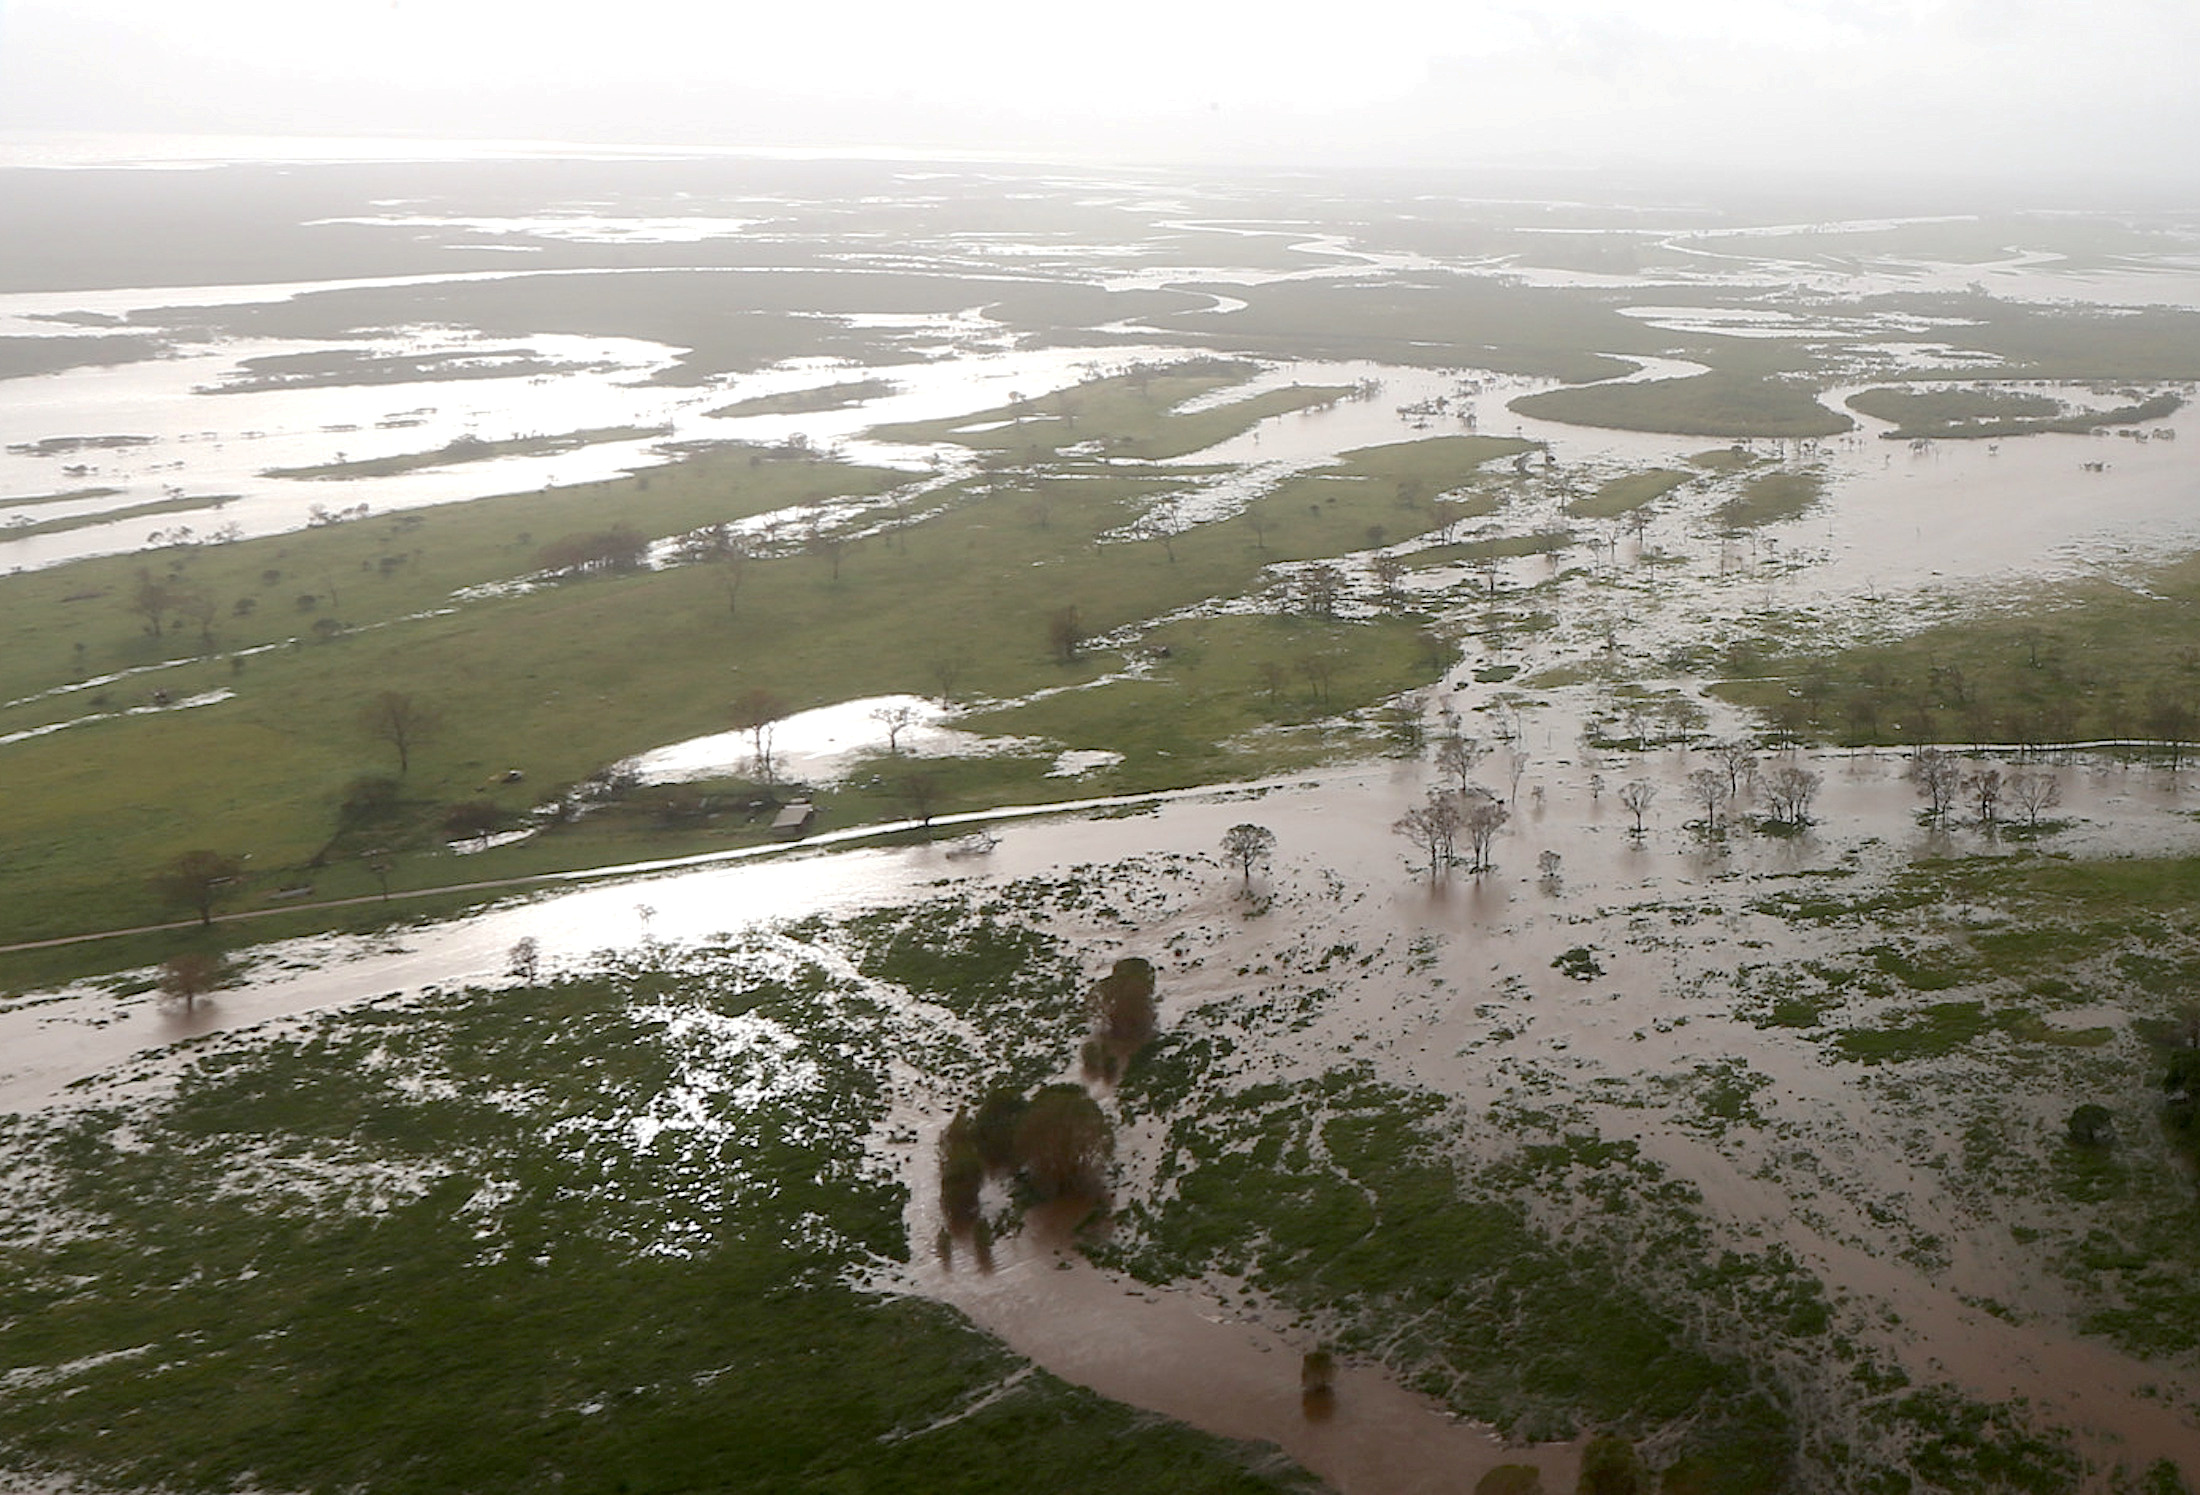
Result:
1748,1101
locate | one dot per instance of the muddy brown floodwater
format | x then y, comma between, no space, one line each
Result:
1185,1355
1489,1010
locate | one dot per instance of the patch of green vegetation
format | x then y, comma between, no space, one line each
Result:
1960,1445
146,510
2089,661
597,1235
1447,321
1579,963
73,495
815,400
1625,494
1498,548
1773,497
1725,459
1719,403
1225,695
1937,1029
1126,415
2017,415
1953,412
461,449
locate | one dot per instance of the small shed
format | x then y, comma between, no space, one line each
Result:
794,820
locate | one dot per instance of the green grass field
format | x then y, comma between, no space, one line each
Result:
560,680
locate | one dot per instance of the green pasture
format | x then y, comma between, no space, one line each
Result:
563,679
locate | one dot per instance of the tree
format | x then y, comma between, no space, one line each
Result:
721,545
396,718
1389,569
1984,790
2092,1126
190,976
896,719
1319,670
1434,828
1320,587
946,669
366,799
829,545
1937,776
1636,795
194,606
920,795
1791,788
754,712
1063,1144
1249,846
1708,787
2035,793
1482,815
962,1174
198,880
1065,633
2170,719
993,1129
524,959
150,598
1457,756
1122,1005
379,862
1740,764
1610,1466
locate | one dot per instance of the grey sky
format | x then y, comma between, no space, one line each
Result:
2001,87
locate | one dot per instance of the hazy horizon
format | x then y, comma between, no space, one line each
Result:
1952,91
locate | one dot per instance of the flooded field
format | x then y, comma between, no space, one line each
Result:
1731,1086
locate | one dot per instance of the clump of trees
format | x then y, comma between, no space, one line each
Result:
619,548
1792,789
1055,1144
1436,826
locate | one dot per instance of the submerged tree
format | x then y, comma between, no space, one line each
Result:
2034,794
1792,788
1122,1004
1063,1144
1636,795
1481,816
1937,775
1710,789
1249,846
1433,827
1983,789
1456,757
962,1174
190,976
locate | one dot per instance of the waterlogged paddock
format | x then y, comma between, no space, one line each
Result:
1783,1049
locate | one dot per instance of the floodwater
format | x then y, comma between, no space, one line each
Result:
1490,1011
